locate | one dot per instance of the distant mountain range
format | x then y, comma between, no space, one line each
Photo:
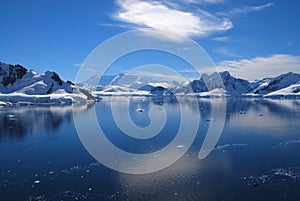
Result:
18,84
283,86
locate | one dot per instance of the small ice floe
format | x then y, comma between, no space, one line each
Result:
11,117
180,146
37,198
242,112
287,143
140,110
175,194
36,182
222,147
51,172
280,176
290,172
90,189
3,103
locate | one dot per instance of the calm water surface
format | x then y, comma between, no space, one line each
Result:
256,158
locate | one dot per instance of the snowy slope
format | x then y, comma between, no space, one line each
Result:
19,84
128,84
291,91
230,86
269,85
206,86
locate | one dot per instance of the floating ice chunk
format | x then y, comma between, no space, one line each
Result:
11,116
36,182
140,110
222,147
242,112
180,146
3,103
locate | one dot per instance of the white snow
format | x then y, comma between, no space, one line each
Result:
47,88
219,92
3,103
23,87
290,91
24,99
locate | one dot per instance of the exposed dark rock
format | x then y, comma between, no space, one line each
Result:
14,73
57,79
50,89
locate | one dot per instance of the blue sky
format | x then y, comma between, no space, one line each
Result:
251,39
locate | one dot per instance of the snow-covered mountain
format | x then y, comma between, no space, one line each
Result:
207,86
128,84
131,81
291,91
269,85
230,86
19,84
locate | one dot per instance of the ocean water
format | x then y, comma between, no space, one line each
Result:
257,157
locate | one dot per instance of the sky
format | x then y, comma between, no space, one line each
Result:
251,39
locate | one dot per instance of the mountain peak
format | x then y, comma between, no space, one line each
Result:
17,79
225,74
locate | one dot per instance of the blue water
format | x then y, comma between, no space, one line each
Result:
256,158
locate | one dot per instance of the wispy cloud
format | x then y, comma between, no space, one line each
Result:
227,52
204,1
77,65
245,10
156,15
115,25
261,67
221,39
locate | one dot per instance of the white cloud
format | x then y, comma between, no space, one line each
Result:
227,52
246,9
203,1
261,67
114,25
156,15
221,39
77,65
